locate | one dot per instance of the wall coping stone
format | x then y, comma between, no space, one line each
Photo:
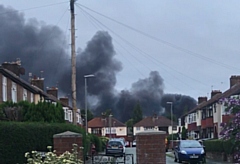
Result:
67,134
151,132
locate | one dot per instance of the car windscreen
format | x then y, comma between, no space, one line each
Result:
115,143
190,144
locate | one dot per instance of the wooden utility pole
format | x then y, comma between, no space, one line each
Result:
73,54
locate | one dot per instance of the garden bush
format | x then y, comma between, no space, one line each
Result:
17,138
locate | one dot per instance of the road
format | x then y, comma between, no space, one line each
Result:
132,159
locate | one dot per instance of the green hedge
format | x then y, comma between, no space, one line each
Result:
18,138
223,146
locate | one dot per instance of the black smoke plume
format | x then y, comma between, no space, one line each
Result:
43,47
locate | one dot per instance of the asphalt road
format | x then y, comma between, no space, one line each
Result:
131,158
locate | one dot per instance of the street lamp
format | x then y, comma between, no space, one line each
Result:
110,126
171,103
86,123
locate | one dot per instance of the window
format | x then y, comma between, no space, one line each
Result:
189,118
137,128
112,130
207,113
4,88
210,113
65,113
14,92
31,97
24,94
70,118
194,117
148,128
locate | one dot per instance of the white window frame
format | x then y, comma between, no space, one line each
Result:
24,94
70,116
4,88
137,128
113,130
66,115
194,117
31,97
14,92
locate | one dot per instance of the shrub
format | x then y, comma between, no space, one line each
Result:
213,145
50,157
19,137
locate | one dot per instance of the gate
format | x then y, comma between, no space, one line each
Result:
113,159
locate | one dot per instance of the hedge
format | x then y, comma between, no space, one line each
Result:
219,146
17,138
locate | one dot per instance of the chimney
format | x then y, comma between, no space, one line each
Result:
53,91
215,92
14,67
64,100
234,80
38,82
201,99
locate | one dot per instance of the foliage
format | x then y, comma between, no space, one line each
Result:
90,115
137,114
20,137
184,133
231,130
41,112
51,158
173,136
213,145
219,145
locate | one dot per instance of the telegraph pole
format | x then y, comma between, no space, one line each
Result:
73,55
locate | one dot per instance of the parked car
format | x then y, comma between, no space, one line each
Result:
115,147
134,143
189,151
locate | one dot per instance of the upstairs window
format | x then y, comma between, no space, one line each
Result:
66,115
31,97
24,94
4,88
70,115
14,92
194,117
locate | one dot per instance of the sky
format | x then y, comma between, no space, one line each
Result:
194,45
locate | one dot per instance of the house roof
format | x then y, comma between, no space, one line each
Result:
100,122
232,91
28,86
150,121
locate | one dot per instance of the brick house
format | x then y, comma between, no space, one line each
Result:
14,88
211,113
157,123
108,127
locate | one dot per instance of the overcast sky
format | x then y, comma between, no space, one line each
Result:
194,45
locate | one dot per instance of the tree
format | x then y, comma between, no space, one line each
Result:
137,114
231,130
89,114
184,133
129,124
25,111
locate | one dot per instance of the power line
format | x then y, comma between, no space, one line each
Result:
166,43
142,52
37,7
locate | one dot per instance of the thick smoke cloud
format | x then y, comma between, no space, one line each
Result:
43,47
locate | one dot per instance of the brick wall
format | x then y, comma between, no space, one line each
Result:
63,142
151,147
